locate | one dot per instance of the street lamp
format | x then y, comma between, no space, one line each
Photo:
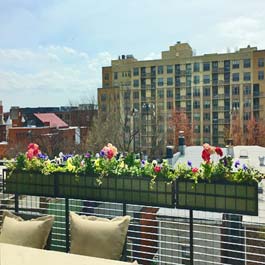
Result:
134,113
148,108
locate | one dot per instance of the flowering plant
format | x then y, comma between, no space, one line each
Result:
224,169
107,162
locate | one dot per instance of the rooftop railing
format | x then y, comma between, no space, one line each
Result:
161,235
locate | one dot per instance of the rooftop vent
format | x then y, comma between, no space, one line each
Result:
243,154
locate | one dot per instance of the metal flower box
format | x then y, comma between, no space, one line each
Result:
123,189
218,197
29,183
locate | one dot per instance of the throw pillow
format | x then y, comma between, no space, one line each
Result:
29,233
98,237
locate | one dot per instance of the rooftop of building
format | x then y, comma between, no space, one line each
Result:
248,154
51,119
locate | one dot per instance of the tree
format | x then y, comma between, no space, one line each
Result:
236,130
180,122
251,132
111,128
260,133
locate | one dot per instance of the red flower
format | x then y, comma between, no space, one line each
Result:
218,151
110,154
157,169
195,169
206,155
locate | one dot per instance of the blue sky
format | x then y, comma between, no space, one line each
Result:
52,51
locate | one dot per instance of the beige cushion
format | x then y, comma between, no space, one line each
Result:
30,233
98,237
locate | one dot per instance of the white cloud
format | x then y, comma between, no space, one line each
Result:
49,74
243,30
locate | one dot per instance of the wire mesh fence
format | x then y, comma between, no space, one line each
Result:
163,235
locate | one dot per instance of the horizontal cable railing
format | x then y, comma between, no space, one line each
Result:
159,237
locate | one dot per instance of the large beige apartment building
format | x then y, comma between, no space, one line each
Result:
209,88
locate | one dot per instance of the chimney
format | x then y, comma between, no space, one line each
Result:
16,117
230,147
182,143
1,113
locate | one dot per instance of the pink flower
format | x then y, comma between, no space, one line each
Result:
157,169
30,154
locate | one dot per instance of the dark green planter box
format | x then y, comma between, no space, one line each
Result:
121,189
218,197
27,183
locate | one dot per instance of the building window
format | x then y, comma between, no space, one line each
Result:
196,67
106,76
169,105
247,63
246,116
226,65
160,81
235,77
206,116
196,116
206,66
235,104
126,95
247,103
169,69
247,90
206,91
247,76
170,93
227,77
197,128
177,69
188,69
215,66
135,71
143,94
261,62
206,128
135,94
235,64
196,104
177,81
160,69
235,90
196,91
170,81
196,79
136,83
227,91
103,97
161,93
206,79
261,75
115,75
207,104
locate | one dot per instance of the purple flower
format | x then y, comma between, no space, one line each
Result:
237,163
87,155
65,157
189,163
102,153
244,167
225,162
143,162
42,156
